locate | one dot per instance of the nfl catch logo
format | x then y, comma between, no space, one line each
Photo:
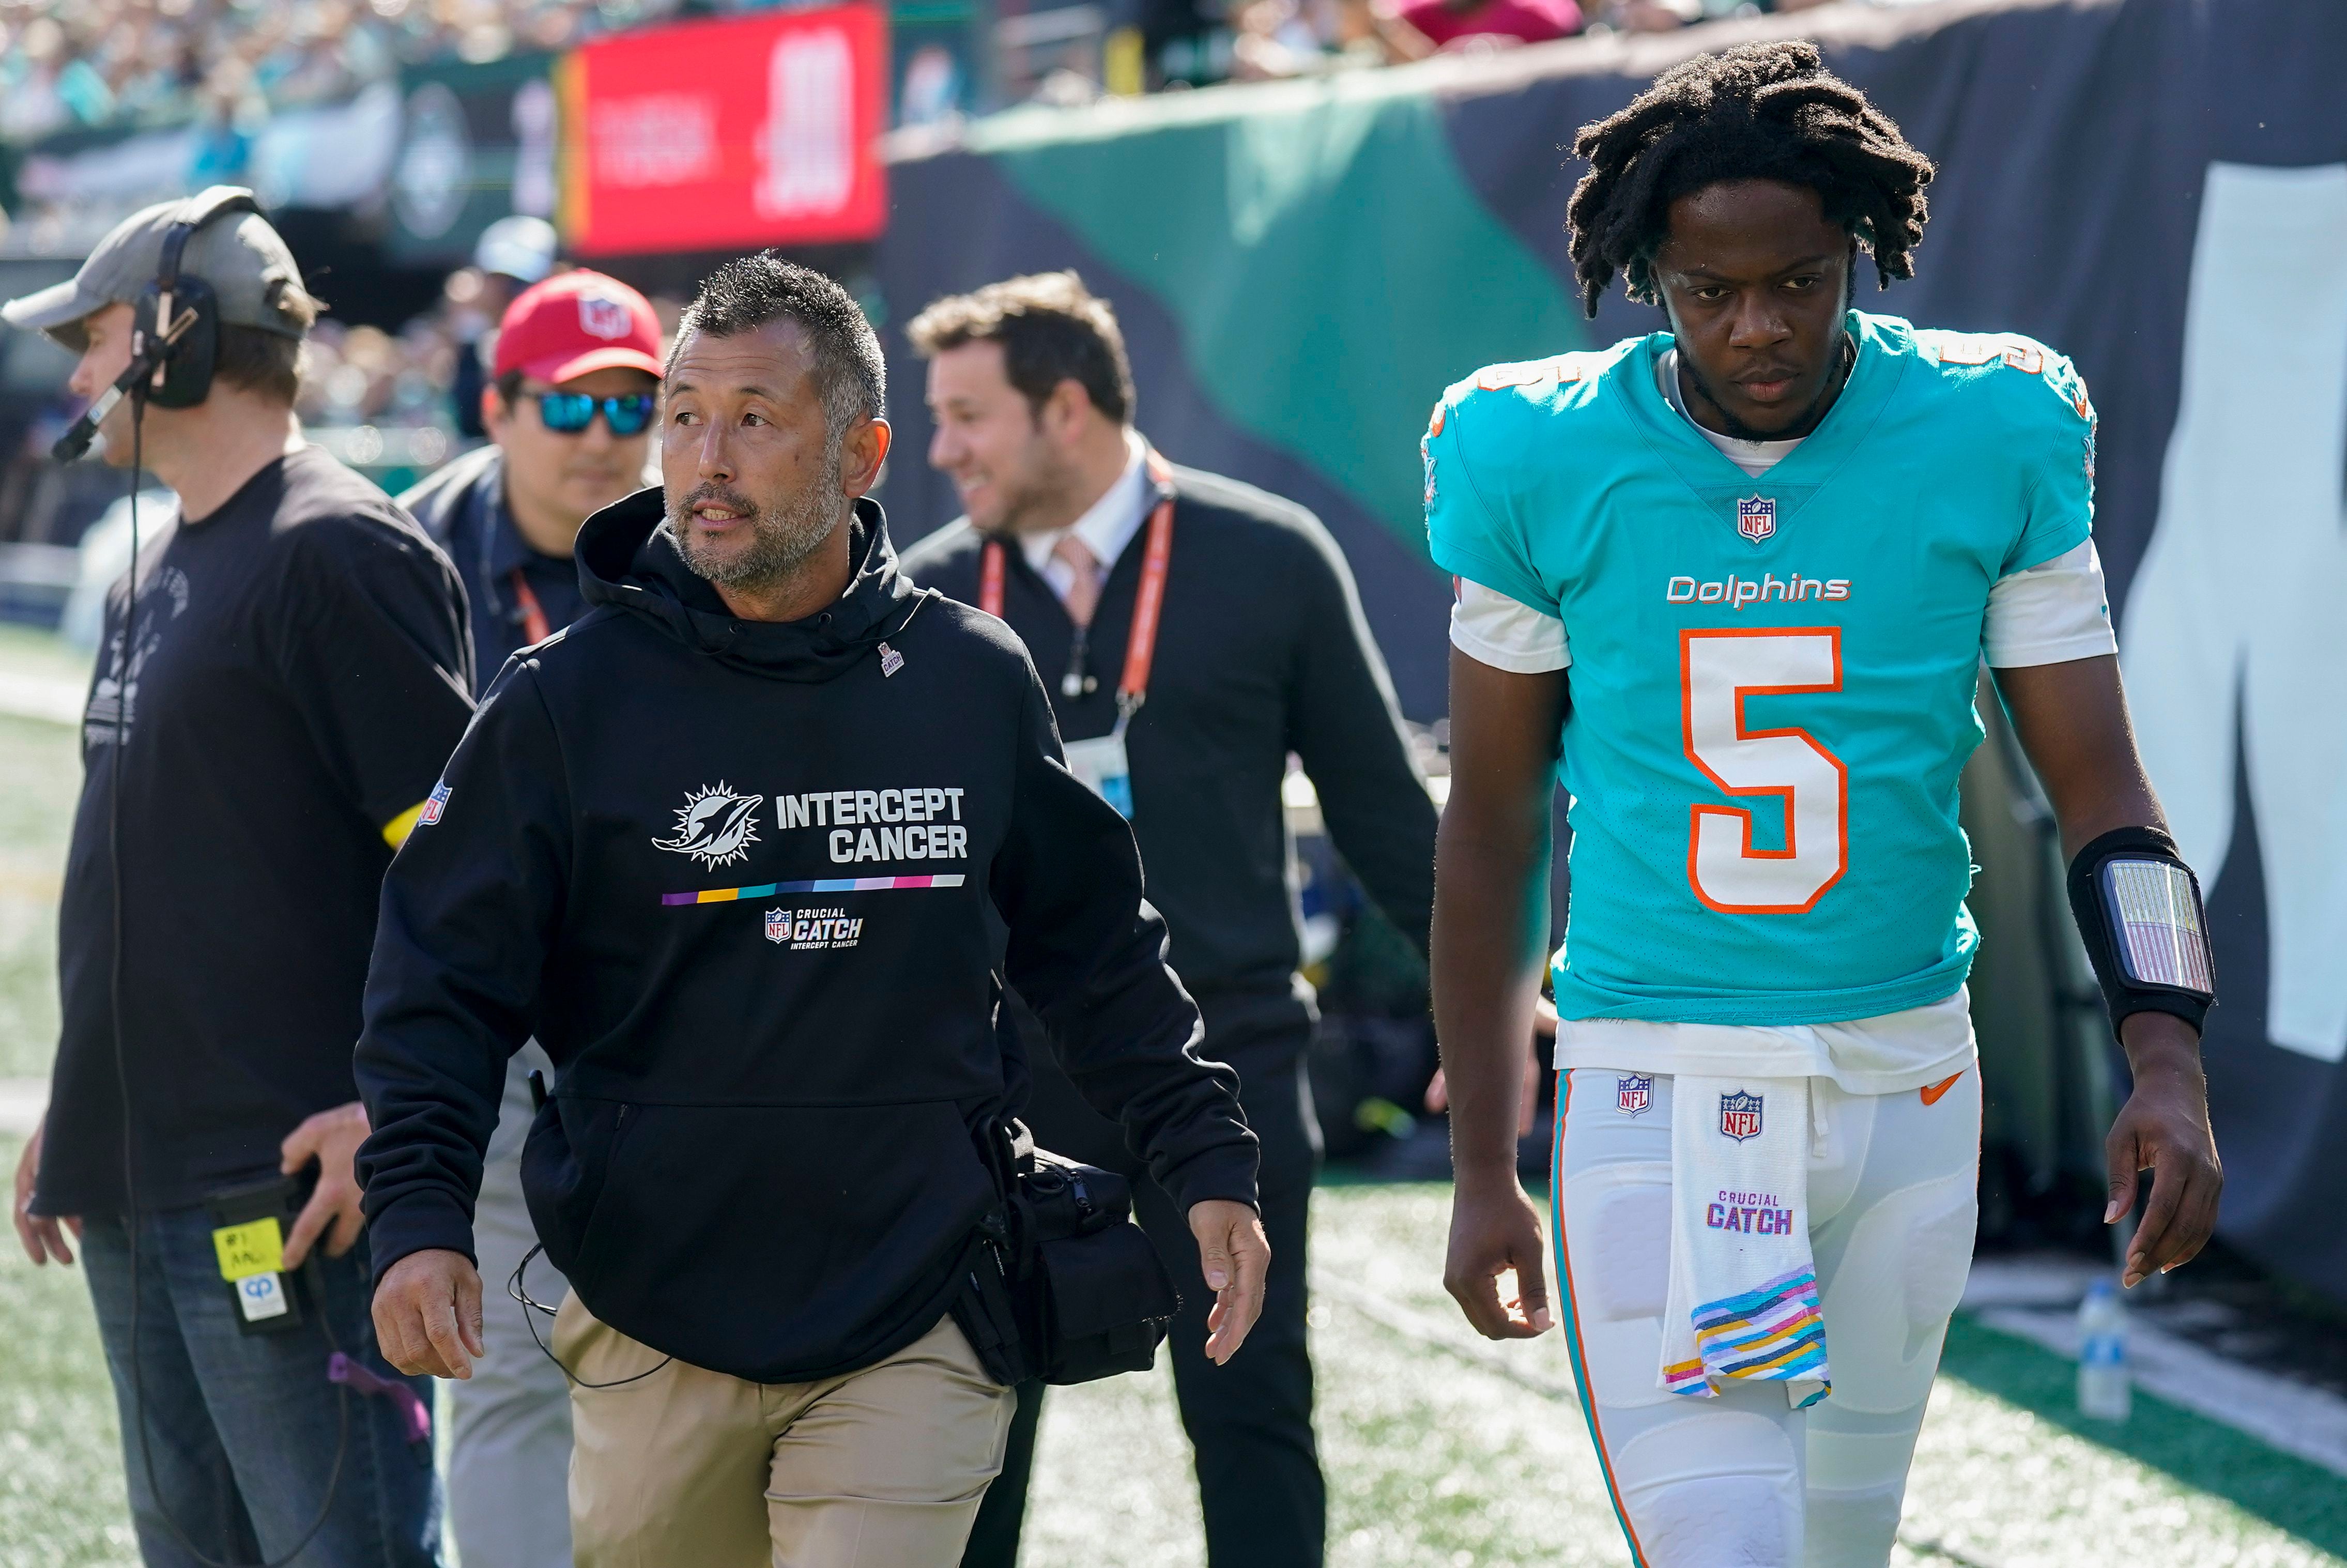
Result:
433,806
890,662
603,317
1756,518
778,925
1739,1116
1634,1095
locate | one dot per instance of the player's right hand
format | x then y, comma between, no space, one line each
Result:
43,1236
1498,1269
427,1313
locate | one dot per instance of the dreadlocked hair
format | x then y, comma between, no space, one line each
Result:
1763,111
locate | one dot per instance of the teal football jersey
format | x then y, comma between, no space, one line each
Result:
1772,679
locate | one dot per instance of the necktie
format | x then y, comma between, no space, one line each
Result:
1084,592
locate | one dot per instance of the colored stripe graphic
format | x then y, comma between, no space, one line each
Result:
821,885
1773,1332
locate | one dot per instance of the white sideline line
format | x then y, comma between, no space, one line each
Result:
22,1103
1411,1326
42,697
2036,1299
2292,1416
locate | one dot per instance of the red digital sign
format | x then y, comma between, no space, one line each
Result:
747,131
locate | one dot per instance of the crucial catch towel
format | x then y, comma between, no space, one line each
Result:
1743,1298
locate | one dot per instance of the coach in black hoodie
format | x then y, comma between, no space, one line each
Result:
750,848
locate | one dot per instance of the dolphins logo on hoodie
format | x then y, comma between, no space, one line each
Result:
716,826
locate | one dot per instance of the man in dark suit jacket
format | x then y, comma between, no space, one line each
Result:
1075,530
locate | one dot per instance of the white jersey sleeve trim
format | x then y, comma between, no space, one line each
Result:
1492,629
2051,613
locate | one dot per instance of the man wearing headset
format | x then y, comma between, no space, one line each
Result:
281,674
574,376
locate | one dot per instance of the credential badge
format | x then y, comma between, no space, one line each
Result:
1739,1116
1756,518
1635,1094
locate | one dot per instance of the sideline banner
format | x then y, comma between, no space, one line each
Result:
2158,188
721,135
476,144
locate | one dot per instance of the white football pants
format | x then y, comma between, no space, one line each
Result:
1742,1478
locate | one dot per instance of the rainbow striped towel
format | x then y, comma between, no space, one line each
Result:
1743,1298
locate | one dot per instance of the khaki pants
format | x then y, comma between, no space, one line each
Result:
691,1469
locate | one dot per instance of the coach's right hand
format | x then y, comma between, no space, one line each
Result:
427,1313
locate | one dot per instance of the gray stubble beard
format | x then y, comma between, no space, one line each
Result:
781,540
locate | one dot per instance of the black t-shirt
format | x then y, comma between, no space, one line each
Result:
298,672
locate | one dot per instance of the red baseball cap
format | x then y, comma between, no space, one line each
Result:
575,323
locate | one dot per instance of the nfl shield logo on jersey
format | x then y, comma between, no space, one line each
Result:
778,925
1739,1116
1634,1095
1756,518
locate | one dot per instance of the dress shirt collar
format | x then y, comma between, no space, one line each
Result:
1113,520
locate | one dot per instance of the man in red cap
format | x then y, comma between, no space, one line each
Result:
569,410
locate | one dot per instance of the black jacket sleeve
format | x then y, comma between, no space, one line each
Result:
1344,723
377,656
468,910
1087,953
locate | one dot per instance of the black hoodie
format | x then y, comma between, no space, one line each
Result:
754,885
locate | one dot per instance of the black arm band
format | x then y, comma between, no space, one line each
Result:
2138,910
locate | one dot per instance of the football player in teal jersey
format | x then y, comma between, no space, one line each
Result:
1731,584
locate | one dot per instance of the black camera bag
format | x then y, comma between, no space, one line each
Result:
1064,1285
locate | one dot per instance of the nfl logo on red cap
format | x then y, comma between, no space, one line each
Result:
575,323
602,317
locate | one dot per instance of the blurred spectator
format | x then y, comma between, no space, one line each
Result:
932,91
226,65
511,254
1447,24
1273,41
86,63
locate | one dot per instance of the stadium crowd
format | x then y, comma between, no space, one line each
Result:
68,64
99,63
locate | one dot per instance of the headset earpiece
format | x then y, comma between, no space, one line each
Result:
184,376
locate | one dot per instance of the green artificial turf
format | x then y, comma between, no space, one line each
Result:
62,1503
2206,1456
40,778
1439,1449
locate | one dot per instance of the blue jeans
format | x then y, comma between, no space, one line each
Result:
243,1430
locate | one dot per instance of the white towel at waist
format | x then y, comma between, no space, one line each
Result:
1743,1298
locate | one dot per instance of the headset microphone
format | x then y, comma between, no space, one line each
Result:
76,440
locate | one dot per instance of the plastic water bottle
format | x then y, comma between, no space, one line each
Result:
2104,1389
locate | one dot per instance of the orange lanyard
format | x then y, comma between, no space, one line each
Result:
1148,602
534,628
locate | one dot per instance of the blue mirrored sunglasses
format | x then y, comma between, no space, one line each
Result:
569,412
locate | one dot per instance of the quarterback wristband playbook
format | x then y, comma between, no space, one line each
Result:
2138,910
